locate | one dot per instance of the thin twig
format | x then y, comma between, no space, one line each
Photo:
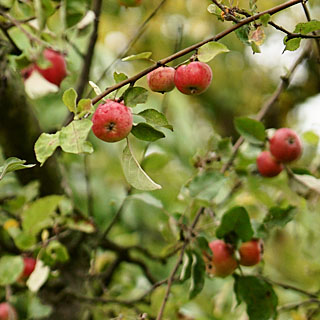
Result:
290,287
132,41
194,47
88,186
84,75
175,269
296,305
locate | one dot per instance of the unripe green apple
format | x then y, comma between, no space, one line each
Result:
251,252
285,145
193,78
7,312
223,260
267,165
161,79
130,3
112,121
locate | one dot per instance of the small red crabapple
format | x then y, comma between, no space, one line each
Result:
251,252
29,266
161,79
193,78
223,260
285,145
112,121
7,312
57,71
267,165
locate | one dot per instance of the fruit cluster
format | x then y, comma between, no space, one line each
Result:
285,146
224,262
192,79
112,120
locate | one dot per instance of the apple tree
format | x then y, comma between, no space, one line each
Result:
154,161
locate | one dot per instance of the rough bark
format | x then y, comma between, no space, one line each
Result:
19,130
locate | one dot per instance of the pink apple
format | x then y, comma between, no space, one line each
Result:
224,262
285,145
7,312
251,252
57,71
112,121
193,78
161,79
267,165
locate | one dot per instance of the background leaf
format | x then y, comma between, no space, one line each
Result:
11,268
252,130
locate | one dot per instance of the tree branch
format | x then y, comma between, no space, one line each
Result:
194,47
85,71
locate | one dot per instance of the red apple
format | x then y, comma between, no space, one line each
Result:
285,145
57,71
29,265
130,3
193,78
224,262
112,121
161,79
7,312
267,165
251,252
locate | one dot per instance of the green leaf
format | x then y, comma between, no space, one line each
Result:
213,9
57,251
235,222
135,95
206,185
279,217
37,310
255,48
39,214
38,277
307,27
265,19
292,44
11,268
155,161
203,243
155,118
46,145
80,225
186,266
252,130
139,56
259,296
13,164
210,50
198,270
84,107
144,131
119,77
25,241
135,174
243,34
69,98
73,137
